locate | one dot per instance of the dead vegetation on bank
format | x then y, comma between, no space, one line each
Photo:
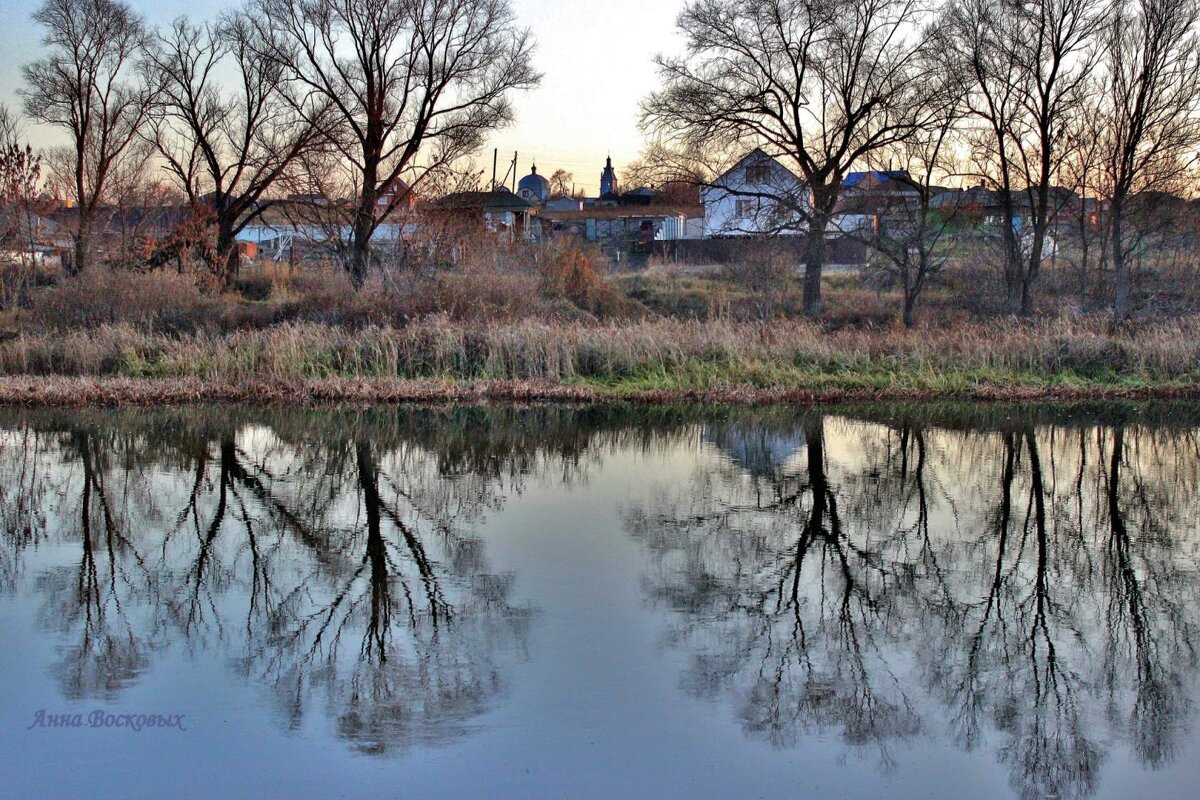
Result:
75,392
564,331
439,358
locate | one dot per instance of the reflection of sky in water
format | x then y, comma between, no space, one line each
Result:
608,636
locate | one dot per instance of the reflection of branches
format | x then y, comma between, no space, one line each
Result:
1134,582
111,577
359,580
790,627
1014,618
424,665
23,496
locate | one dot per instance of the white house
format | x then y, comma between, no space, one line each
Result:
306,222
746,200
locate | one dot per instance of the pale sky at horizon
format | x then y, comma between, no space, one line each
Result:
596,57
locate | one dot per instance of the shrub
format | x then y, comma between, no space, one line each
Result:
571,273
159,301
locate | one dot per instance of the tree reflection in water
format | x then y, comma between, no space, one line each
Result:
1023,583
1034,582
333,559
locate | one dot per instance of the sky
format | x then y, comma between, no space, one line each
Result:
596,57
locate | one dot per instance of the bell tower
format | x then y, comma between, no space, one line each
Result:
608,179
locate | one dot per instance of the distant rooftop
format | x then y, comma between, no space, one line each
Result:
882,176
499,200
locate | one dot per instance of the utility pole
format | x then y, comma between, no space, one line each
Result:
495,162
514,172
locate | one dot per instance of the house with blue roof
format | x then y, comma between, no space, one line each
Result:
869,194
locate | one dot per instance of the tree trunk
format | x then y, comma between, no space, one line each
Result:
910,302
1120,268
1028,269
814,257
1041,217
1041,229
363,224
1014,268
1013,284
228,261
1083,257
360,262
360,249
83,245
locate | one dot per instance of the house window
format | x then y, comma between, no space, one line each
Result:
757,174
744,207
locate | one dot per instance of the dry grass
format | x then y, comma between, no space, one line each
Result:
662,354
557,327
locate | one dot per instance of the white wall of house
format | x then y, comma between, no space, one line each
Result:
851,223
274,240
732,209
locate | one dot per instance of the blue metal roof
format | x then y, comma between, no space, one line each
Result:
855,178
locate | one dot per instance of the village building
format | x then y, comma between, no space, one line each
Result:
609,188
564,203
632,225
303,224
497,212
534,188
758,195
869,196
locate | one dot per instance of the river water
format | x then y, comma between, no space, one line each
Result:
912,601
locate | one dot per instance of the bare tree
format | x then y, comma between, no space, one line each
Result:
1083,170
562,183
1028,63
86,84
225,147
819,84
908,233
20,183
415,84
1152,82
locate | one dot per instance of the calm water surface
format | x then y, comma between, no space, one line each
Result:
901,601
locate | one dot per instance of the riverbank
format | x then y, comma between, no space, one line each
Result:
436,360
76,392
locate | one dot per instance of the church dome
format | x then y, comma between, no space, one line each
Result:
534,187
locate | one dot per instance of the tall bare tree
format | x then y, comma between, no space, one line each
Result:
226,145
415,84
87,84
1029,64
818,84
1152,82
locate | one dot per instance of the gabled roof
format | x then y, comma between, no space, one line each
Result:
756,156
500,200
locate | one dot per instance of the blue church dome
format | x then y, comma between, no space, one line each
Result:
534,187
